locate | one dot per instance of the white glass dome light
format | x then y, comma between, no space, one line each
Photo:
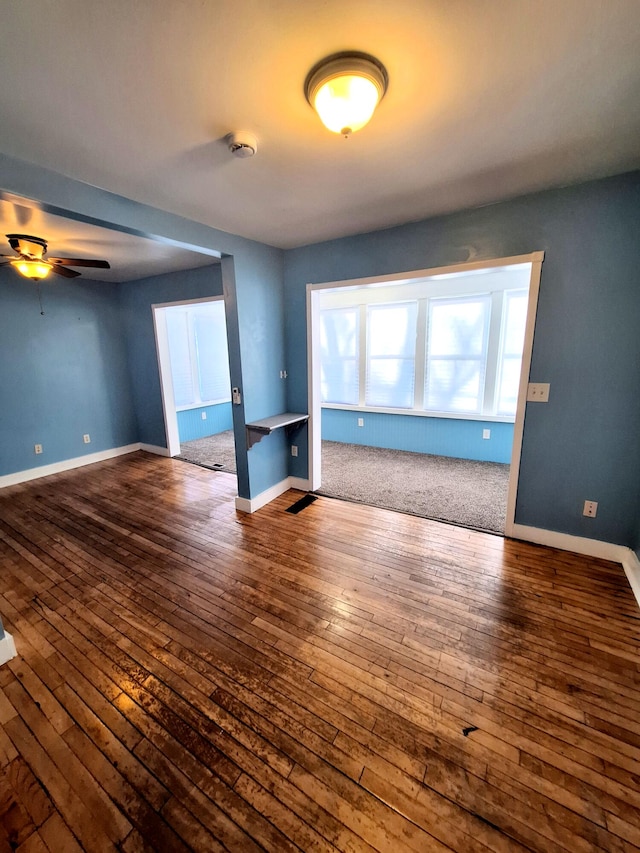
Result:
345,89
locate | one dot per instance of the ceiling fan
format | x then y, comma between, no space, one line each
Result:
32,264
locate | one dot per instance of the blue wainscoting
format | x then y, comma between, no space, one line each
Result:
191,425
440,436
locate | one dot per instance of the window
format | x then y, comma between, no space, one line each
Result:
515,318
449,344
199,359
391,347
339,341
457,354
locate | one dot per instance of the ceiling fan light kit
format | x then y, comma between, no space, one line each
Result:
345,89
35,270
32,264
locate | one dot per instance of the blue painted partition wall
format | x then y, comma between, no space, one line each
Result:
582,444
63,374
440,436
254,305
136,299
191,426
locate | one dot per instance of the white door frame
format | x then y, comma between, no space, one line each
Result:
164,368
313,358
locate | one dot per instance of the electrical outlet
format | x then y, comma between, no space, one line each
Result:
203,415
283,374
538,392
360,421
294,450
37,449
86,438
486,433
590,509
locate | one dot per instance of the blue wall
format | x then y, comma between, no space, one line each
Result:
136,299
191,425
63,374
581,445
441,436
584,443
254,305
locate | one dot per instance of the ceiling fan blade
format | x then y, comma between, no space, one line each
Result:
80,262
59,270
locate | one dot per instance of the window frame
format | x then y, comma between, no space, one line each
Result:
364,296
191,311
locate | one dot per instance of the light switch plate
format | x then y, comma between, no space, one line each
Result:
538,392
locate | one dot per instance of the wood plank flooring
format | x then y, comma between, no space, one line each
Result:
345,679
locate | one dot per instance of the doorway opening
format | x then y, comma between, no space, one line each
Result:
418,389
196,389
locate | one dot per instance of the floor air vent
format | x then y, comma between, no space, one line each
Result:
303,503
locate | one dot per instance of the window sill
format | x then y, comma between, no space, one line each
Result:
202,405
456,416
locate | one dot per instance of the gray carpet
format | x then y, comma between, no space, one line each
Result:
217,452
471,494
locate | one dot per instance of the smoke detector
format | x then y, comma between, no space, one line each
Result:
242,144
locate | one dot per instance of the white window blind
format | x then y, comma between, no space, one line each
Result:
513,326
391,347
452,348
181,372
198,351
456,353
339,342
211,352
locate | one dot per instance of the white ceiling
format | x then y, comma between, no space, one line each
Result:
487,99
130,257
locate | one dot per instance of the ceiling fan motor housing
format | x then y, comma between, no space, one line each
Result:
26,245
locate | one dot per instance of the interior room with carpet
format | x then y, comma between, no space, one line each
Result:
192,659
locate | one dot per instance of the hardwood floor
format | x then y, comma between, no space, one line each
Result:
346,678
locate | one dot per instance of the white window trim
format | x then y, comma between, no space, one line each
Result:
205,405
314,290
164,367
420,413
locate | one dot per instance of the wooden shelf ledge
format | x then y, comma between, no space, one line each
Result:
290,421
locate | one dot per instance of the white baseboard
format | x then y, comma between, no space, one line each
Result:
7,648
631,566
154,448
566,542
65,465
300,483
254,504
588,547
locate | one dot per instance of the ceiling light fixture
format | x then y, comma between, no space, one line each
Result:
345,88
35,270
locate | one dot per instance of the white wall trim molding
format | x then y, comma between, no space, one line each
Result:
65,465
7,648
567,542
299,483
588,547
154,448
631,566
253,504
